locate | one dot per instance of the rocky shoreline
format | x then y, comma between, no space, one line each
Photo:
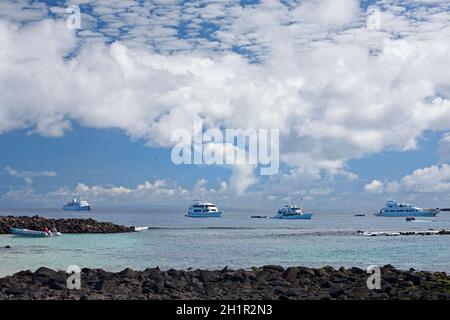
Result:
63,225
266,283
430,232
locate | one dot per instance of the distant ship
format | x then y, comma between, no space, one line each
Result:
395,209
203,209
77,205
292,212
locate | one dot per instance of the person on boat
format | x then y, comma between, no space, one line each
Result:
54,231
48,232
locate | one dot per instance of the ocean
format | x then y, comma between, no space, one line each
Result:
235,240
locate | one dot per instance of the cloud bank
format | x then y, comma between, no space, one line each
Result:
336,90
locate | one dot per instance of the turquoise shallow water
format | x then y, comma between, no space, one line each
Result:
236,240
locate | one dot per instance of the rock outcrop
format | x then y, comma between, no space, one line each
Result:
63,225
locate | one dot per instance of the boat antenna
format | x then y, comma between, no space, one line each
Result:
290,199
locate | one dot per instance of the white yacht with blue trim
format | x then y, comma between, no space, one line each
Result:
77,205
395,209
203,209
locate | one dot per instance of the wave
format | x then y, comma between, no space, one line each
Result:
141,228
295,232
205,228
283,232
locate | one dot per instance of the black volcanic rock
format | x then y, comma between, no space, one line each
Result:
62,225
268,283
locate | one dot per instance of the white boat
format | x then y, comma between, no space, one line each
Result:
77,205
203,209
395,209
292,212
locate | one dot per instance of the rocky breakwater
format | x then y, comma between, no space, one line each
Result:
63,225
267,283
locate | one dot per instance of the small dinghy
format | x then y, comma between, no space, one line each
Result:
33,233
259,217
410,219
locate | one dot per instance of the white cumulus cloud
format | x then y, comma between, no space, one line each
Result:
375,186
336,90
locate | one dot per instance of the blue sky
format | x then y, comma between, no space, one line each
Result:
95,156
363,114
105,153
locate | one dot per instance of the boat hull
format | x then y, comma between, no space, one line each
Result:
304,216
205,215
77,208
425,213
28,233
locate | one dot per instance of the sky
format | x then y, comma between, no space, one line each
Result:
363,112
